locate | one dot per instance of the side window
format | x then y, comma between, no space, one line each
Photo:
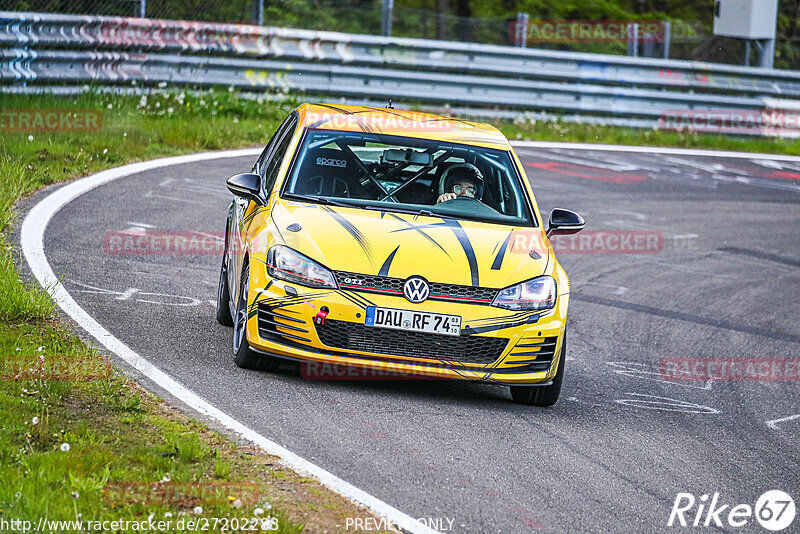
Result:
275,160
264,158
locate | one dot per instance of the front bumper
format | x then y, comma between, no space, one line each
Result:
495,345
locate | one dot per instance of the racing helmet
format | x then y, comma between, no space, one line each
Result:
458,172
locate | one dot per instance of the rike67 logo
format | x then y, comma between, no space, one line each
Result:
774,510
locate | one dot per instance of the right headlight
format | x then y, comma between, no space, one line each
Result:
284,263
535,294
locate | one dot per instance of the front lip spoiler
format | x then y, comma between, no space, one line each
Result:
486,380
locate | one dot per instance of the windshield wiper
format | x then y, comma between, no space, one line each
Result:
321,200
408,211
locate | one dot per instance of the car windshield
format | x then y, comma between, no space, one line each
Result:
410,175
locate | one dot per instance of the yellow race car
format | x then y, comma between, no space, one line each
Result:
395,244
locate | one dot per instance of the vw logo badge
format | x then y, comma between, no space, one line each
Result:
416,289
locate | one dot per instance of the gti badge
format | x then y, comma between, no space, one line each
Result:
416,289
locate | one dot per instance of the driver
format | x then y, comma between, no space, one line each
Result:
461,180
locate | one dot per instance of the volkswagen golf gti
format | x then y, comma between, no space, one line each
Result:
399,241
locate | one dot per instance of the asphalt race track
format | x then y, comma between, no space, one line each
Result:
722,281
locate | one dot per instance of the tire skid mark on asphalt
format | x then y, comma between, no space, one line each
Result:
679,267
763,256
688,317
557,440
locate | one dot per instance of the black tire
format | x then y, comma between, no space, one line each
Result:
243,355
543,395
223,295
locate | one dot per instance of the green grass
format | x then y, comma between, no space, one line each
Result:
119,436
120,440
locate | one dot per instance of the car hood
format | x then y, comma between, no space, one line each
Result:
399,245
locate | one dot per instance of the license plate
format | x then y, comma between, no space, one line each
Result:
413,321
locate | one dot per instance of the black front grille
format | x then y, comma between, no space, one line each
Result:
459,349
281,326
394,286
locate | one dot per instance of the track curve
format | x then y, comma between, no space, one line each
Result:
622,442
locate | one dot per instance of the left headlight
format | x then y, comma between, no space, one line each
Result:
286,264
535,294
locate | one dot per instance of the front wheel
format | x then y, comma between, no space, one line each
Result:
543,395
223,295
243,355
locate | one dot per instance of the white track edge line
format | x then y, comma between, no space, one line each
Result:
653,150
32,241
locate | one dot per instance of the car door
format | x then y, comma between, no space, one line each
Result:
237,228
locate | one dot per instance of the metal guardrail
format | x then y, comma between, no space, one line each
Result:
46,48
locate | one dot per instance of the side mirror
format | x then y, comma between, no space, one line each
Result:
564,222
246,185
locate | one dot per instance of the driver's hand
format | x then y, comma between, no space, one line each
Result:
446,196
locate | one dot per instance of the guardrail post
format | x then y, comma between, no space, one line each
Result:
766,52
666,31
386,19
521,30
258,12
143,8
747,52
633,39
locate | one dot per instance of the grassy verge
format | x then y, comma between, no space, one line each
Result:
93,445
78,441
